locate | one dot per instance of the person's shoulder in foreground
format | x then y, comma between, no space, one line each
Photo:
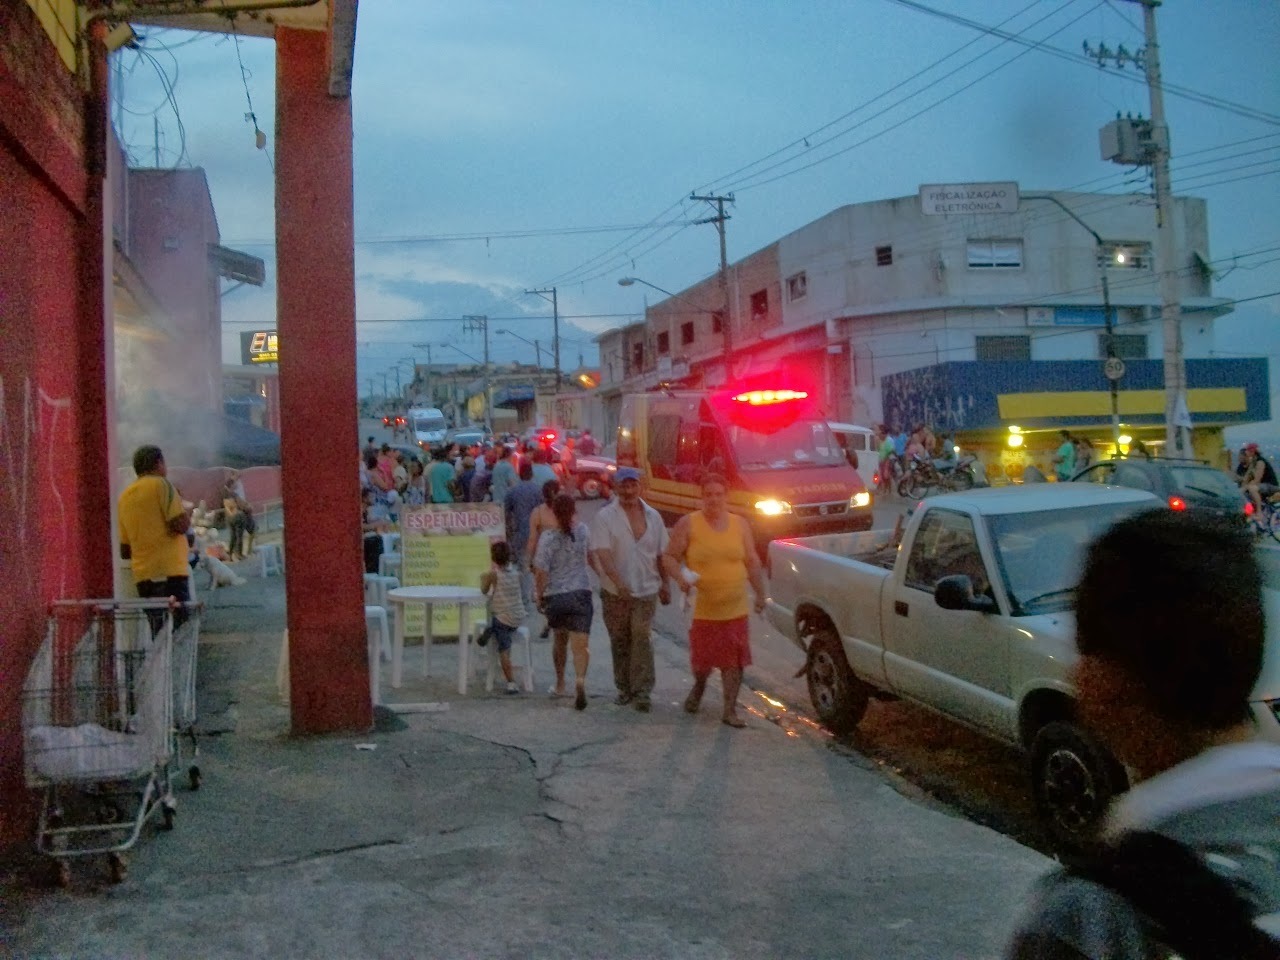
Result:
1170,629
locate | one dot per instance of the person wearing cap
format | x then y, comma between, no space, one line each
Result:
1259,480
628,539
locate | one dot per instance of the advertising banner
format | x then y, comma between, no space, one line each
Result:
445,544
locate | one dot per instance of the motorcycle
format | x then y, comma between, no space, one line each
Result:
923,475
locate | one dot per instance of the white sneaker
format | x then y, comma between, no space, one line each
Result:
511,687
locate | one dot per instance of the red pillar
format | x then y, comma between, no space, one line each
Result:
329,679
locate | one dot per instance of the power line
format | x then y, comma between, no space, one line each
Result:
1175,89
751,184
804,140
511,234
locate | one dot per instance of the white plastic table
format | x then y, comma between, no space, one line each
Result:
428,597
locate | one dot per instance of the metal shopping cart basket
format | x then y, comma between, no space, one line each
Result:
101,709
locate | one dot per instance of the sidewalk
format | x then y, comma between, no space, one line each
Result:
515,826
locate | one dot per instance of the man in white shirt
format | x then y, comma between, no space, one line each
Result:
628,539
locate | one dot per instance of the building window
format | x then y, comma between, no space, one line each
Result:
1125,256
686,333
1003,348
717,322
1128,346
664,342
995,254
797,286
637,356
884,256
759,306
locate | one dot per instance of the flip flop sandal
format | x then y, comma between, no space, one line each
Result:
736,722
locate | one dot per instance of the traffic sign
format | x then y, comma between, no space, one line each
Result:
1113,368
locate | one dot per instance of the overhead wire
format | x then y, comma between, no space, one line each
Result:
804,140
1171,88
755,183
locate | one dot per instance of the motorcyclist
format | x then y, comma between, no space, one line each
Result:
1259,478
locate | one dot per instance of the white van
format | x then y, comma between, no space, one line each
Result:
859,445
428,426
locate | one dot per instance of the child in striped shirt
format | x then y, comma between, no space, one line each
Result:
506,605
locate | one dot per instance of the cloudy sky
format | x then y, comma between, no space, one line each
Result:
502,146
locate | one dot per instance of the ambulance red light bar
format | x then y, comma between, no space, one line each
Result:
547,436
764,398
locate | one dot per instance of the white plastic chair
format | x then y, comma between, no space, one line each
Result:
269,558
379,636
523,661
378,625
376,587
389,564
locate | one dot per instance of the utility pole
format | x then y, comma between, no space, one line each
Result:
426,380
1177,416
1176,412
1109,371
727,317
470,324
555,330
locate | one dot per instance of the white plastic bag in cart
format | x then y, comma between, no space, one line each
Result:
86,752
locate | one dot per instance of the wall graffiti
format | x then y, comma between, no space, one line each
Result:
34,479
924,396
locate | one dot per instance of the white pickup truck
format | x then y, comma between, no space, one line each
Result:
971,616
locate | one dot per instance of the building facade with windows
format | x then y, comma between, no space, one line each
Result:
972,323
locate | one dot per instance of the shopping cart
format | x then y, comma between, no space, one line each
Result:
105,698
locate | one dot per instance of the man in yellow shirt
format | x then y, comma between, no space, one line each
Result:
153,529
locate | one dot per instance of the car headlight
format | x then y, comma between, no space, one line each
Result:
773,508
862,499
611,467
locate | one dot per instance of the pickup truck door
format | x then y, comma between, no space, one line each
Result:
956,661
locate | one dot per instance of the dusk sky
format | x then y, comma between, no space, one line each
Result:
501,146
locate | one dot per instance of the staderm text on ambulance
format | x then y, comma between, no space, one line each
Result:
967,201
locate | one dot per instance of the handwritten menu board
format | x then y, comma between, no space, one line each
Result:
445,544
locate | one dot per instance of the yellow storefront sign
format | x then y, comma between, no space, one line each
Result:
1097,403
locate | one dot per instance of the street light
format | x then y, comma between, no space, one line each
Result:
628,281
533,343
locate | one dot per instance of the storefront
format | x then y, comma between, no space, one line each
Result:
1009,413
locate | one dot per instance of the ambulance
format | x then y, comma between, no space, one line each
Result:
787,474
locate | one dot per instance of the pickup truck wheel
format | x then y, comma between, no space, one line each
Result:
1073,780
839,698
590,486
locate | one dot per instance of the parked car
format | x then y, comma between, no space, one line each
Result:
1182,484
593,472
972,616
465,437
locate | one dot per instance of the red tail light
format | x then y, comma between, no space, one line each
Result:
1177,503
875,478
1248,509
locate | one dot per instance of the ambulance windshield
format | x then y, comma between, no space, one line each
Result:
805,443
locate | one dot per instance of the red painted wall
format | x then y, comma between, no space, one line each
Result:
54,501
328,665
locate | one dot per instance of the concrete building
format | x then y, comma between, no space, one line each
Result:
972,323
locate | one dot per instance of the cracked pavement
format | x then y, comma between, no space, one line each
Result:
506,826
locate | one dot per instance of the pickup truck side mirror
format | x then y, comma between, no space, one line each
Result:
956,593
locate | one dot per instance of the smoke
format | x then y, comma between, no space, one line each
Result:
155,404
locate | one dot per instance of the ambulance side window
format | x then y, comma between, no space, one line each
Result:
711,450
687,464
664,437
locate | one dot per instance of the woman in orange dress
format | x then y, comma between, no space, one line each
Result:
718,547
